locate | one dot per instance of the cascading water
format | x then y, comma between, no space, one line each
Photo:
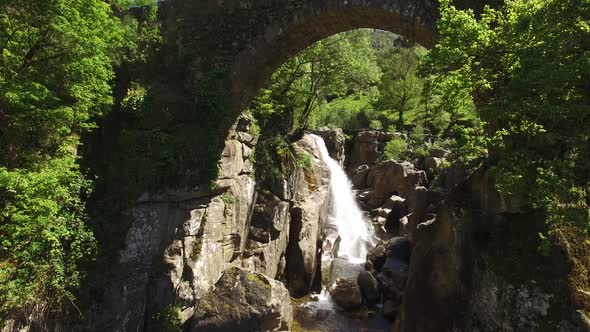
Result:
354,230
345,260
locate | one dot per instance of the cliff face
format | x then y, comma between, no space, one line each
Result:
476,260
481,266
182,241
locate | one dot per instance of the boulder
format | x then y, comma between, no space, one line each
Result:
335,141
367,147
389,178
342,268
243,301
369,287
359,177
398,208
346,294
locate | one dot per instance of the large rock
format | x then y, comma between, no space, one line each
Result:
392,178
359,177
335,141
471,268
398,208
367,147
369,287
244,301
269,236
179,243
310,204
232,162
346,294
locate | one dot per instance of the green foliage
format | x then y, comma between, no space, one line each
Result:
304,160
55,69
44,236
169,317
329,69
528,67
400,87
395,149
57,65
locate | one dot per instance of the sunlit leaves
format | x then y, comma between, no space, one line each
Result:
527,65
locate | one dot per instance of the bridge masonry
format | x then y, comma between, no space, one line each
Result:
248,40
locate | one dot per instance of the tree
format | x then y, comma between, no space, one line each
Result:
55,75
400,88
528,68
328,69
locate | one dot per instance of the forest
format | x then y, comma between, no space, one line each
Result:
509,87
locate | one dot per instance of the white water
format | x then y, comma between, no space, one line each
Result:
354,230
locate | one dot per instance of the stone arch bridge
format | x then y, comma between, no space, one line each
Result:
248,40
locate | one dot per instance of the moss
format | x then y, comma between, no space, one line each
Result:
169,318
261,281
228,200
196,249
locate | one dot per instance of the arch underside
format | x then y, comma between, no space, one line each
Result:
255,65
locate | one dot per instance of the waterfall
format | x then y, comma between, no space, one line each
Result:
344,214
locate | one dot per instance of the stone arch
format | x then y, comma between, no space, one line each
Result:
314,20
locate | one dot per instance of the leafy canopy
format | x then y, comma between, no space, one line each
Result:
528,68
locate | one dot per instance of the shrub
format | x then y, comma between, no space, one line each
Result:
395,149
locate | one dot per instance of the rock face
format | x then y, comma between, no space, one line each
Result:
182,241
269,235
367,147
310,204
335,143
471,269
244,301
346,294
369,287
390,177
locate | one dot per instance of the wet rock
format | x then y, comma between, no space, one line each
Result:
335,141
346,294
376,257
310,204
369,287
322,314
342,268
380,212
243,301
400,248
